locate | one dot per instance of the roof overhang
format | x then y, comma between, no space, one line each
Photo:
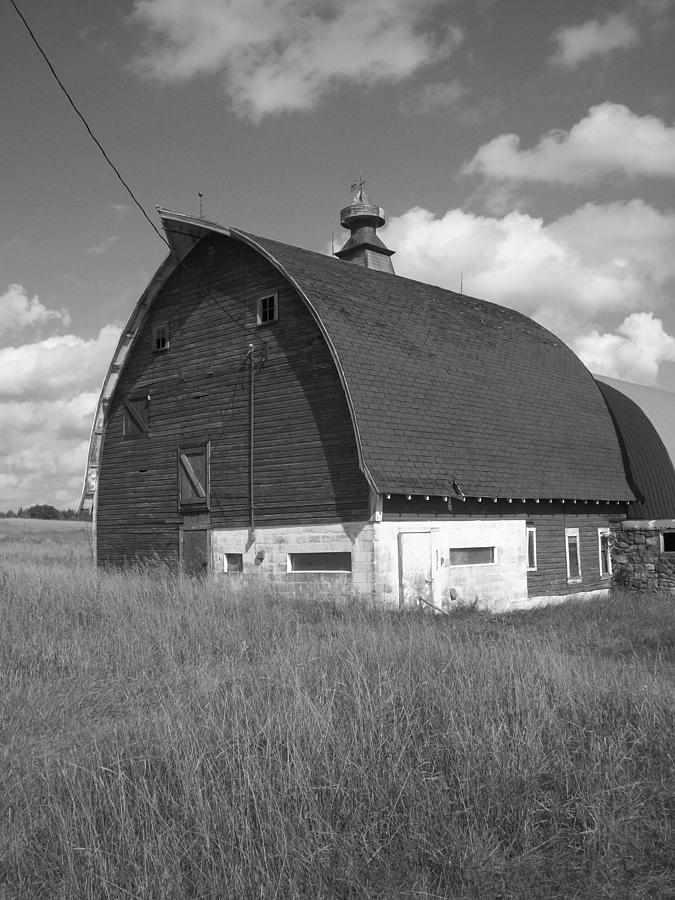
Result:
183,232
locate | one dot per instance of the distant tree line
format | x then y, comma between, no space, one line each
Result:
44,511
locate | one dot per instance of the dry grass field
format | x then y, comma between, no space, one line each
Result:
162,738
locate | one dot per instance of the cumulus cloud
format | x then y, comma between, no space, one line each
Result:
633,352
576,44
19,311
283,56
609,139
43,445
55,366
431,97
48,392
592,265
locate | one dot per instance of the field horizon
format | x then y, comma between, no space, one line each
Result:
168,738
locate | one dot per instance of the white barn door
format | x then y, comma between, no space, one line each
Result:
414,567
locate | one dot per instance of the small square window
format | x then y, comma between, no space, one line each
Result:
268,309
136,417
160,338
573,555
668,543
234,563
531,549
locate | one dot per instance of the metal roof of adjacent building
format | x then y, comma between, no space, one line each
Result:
645,421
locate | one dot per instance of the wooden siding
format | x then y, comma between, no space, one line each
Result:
305,458
551,575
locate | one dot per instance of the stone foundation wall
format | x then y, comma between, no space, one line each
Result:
637,561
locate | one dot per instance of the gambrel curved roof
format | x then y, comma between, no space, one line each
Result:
449,395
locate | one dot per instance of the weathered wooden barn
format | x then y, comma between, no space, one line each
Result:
276,413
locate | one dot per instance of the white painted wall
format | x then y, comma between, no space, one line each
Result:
375,559
496,586
267,557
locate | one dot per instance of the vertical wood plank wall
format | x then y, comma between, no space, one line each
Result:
551,575
305,457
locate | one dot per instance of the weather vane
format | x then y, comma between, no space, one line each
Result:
358,185
201,207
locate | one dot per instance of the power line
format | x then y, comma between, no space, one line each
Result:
112,165
86,125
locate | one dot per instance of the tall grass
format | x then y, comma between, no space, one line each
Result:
164,738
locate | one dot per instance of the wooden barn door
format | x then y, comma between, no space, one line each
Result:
414,567
195,551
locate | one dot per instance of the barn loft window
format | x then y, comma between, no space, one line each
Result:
268,309
160,338
193,477
531,549
472,556
136,417
320,562
604,552
573,555
668,543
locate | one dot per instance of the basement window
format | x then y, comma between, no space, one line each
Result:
234,563
573,555
320,562
604,552
136,417
668,543
472,556
268,309
160,338
531,549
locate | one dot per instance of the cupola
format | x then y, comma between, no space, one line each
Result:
364,247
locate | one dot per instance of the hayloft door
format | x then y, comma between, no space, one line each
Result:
414,567
195,551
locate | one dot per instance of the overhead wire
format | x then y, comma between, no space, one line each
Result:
87,126
112,165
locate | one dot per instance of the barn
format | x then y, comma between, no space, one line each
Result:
304,419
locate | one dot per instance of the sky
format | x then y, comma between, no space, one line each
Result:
524,149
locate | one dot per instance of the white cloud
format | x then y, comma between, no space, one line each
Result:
633,352
439,95
576,44
104,245
55,366
610,138
48,392
599,262
283,56
19,311
43,447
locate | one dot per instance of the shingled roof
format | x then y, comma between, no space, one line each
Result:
447,388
